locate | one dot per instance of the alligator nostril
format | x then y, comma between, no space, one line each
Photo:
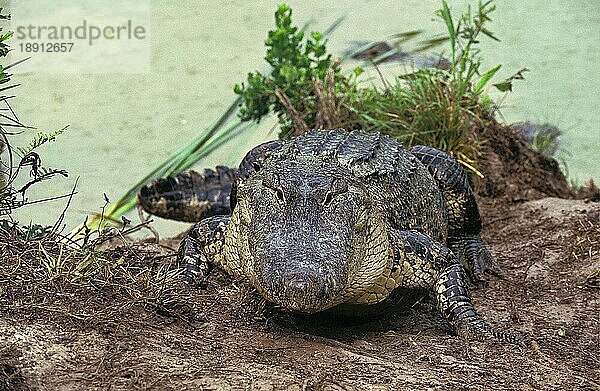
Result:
304,286
297,285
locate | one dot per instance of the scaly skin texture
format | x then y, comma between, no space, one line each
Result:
335,217
189,196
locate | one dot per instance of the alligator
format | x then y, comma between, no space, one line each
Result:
336,218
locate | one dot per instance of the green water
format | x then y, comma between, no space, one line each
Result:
122,125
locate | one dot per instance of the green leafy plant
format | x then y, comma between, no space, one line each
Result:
305,88
297,61
466,60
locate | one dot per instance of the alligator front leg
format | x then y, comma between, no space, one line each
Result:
201,249
420,262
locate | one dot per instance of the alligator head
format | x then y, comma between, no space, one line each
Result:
305,231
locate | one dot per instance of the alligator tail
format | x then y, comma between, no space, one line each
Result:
189,196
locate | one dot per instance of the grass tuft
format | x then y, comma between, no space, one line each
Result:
99,282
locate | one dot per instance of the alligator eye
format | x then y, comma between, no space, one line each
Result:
328,199
279,194
338,186
256,166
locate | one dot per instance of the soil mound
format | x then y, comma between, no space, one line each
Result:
514,171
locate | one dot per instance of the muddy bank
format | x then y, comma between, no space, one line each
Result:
226,339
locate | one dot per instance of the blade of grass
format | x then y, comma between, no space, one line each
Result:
384,56
126,203
406,36
486,78
331,29
359,50
447,16
227,134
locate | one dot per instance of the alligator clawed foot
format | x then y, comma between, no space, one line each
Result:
186,280
484,264
477,259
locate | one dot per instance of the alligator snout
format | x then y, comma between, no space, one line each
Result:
300,275
303,291
299,283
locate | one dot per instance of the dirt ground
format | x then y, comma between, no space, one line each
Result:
227,339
